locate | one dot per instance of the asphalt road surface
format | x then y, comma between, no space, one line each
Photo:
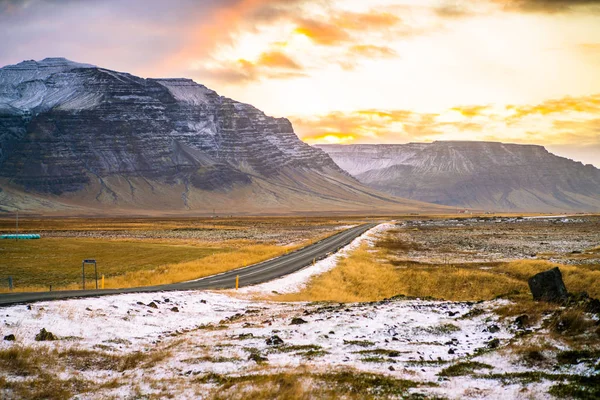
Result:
251,275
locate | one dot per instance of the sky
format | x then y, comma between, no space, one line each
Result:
352,71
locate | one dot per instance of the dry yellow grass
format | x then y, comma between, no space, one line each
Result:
367,276
140,252
195,269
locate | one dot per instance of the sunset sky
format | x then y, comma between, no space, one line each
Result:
350,71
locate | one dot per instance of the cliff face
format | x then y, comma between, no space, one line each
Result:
482,175
99,137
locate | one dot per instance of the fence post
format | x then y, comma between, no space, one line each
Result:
10,283
83,274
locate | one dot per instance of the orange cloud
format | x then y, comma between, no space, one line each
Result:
340,27
367,21
548,6
322,33
372,51
367,126
276,59
470,111
589,104
272,64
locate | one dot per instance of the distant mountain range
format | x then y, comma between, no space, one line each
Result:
479,175
79,138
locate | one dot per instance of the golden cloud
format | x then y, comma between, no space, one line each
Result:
272,64
372,51
470,111
583,104
548,6
322,33
367,126
276,59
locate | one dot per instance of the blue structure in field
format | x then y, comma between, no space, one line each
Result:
27,236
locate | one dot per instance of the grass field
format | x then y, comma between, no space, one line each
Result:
368,275
144,251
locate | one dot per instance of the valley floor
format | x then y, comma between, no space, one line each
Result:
248,344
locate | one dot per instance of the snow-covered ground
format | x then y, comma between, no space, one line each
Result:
216,333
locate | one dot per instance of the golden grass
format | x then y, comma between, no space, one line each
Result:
209,265
302,384
35,265
367,276
125,263
57,261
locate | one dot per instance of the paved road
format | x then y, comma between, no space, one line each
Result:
251,275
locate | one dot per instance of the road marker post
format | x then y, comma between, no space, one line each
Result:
237,282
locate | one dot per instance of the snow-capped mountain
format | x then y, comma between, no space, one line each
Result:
93,137
480,175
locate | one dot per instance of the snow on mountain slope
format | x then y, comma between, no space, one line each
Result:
98,137
481,175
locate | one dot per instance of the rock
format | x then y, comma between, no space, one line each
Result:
175,309
493,344
548,286
256,357
394,354
44,336
298,321
451,351
152,305
492,329
10,338
274,341
391,368
522,321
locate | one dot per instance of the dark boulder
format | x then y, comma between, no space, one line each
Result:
10,338
44,335
298,321
548,286
274,341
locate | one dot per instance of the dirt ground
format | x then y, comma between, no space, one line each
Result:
566,240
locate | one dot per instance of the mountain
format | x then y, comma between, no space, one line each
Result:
479,175
76,137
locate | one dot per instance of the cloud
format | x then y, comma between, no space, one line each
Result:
368,126
322,33
271,64
276,59
342,26
549,6
470,111
372,51
583,104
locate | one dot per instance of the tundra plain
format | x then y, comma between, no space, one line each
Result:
420,308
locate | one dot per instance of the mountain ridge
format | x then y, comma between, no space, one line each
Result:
74,135
482,175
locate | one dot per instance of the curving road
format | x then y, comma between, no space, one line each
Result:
251,275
